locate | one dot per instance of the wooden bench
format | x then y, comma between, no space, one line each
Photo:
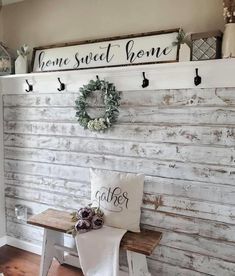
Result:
56,223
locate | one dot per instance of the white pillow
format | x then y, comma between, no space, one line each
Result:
119,196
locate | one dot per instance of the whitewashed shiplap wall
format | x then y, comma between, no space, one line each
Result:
182,140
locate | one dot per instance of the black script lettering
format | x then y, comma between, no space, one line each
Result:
47,63
96,57
167,51
125,195
87,59
130,55
108,56
140,54
40,60
77,60
115,197
153,51
156,52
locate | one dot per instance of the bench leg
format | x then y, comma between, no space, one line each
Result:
137,264
50,238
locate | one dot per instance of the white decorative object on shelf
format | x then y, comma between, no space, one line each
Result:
185,52
228,46
6,60
184,43
21,63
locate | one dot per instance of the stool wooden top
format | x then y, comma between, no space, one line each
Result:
143,242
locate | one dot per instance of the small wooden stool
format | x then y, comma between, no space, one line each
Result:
56,223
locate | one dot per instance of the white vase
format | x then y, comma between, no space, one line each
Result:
21,65
184,53
228,46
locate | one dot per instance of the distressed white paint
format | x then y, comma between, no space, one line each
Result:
2,207
49,251
137,264
182,140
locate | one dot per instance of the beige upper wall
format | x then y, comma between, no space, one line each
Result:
1,24
42,22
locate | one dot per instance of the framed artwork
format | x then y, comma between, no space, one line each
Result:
145,48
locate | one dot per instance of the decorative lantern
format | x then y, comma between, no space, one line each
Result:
6,61
206,45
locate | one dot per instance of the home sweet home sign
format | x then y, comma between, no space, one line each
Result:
154,47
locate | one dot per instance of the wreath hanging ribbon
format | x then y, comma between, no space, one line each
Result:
111,101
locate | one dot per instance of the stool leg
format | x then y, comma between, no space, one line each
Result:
50,238
137,264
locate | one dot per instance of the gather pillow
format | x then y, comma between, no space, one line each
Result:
119,195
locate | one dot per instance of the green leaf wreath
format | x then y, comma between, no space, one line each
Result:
111,101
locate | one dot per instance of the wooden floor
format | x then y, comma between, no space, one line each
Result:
16,262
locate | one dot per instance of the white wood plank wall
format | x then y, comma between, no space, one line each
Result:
182,140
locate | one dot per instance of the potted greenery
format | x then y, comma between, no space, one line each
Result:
228,46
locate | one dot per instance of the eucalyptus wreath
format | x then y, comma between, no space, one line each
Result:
111,99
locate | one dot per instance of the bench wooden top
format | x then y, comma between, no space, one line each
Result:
143,242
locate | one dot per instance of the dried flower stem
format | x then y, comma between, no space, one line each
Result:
229,11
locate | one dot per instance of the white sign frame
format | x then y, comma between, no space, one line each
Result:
145,48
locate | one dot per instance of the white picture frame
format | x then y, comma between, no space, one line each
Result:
145,48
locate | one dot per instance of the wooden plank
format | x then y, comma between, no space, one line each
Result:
194,243
164,203
187,171
200,263
157,98
202,191
78,189
49,170
194,226
53,219
144,242
51,198
164,151
189,115
190,189
193,208
169,221
168,204
24,232
167,269
213,135
64,192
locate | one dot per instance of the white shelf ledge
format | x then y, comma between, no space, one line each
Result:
180,75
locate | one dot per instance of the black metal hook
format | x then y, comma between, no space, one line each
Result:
62,85
30,87
145,81
197,79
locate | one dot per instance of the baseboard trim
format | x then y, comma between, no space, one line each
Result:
33,248
3,241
